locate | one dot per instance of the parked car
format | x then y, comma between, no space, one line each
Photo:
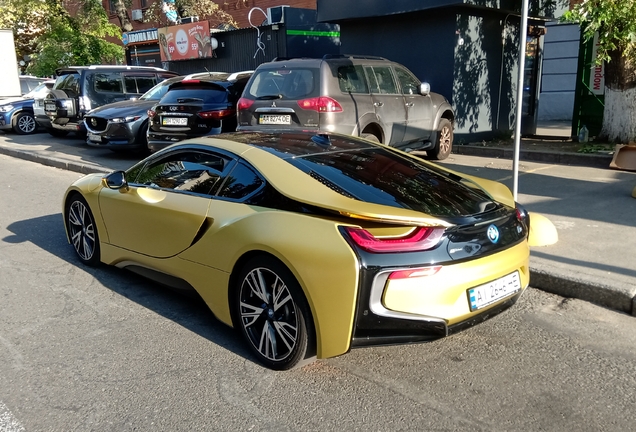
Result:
307,243
17,113
79,89
195,107
369,97
124,125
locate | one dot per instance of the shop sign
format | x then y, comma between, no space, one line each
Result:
186,41
597,74
140,36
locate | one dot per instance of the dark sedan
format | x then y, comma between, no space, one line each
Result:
195,107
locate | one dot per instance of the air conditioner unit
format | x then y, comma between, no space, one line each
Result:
188,20
137,15
276,14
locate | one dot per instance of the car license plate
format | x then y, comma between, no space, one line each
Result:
49,107
487,294
94,137
275,119
174,121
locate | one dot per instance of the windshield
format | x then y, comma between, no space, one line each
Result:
39,92
157,91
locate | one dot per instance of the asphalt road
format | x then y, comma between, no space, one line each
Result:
101,349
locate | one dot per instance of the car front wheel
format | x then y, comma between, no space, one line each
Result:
82,231
443,141
272,314
24,123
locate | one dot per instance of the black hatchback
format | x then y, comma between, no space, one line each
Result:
196,107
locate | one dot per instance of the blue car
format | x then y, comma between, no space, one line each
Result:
17,113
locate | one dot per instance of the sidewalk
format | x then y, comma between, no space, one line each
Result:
590,205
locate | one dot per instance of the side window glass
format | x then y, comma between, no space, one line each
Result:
191,171
241,182
138,84
384,78
108,82
351,79
410,85
24,86
373,82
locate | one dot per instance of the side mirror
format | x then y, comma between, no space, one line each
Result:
116,180
425,88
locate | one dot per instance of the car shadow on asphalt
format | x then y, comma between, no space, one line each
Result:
189,311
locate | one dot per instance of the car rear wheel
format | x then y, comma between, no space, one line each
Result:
57,132
82,231
442,141
272,313
24,123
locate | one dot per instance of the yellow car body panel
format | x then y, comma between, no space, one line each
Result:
323,263
443,295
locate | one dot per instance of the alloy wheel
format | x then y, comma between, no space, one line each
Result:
26,124
82,230
445,140
269,315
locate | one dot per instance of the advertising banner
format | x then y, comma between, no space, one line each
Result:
185,42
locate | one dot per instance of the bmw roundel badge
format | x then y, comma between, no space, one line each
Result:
493,234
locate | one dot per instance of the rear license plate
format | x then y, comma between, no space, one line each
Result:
487,294
49,107
174,121
93,137
275,119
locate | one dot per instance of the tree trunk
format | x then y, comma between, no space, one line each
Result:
619,114
122,14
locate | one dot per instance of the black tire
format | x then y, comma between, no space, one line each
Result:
281,335
57,132
442,141
82,230
24,123
371,137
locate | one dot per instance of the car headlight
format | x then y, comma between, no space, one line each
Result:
127,119
6,108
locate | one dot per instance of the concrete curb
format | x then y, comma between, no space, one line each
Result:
582,159
600,294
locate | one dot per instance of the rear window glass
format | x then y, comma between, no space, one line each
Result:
69,83
206,94
383,177
351,79
284,84
108,82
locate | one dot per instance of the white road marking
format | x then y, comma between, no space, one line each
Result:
8,423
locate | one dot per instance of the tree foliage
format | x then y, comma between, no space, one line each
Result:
615,23
207,10
50,37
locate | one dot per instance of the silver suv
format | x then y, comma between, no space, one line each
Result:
370,97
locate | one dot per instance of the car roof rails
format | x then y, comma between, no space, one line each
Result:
352,56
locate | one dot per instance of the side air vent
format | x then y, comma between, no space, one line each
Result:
330,184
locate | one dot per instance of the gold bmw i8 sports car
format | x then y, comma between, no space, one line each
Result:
310,244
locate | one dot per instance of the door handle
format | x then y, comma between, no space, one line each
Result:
378,104
409,104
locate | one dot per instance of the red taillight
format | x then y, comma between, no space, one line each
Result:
151,113
413,273
420,239
320,104
216,114
244,104
190,81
